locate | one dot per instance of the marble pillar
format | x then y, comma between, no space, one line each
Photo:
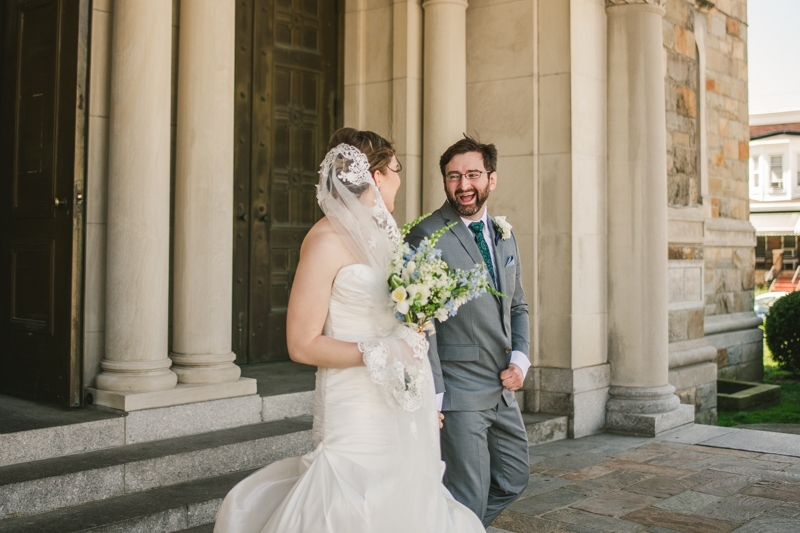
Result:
203,245
641,400
137,269
444,90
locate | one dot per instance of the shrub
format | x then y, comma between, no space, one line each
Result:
783,332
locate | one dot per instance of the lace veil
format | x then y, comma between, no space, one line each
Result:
351,201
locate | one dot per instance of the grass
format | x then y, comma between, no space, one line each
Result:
787,412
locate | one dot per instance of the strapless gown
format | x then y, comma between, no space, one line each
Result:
375,468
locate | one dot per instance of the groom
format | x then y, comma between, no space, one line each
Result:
479,357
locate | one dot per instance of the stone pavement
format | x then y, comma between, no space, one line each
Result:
697,479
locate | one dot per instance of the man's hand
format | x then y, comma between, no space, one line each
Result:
441,418
512,377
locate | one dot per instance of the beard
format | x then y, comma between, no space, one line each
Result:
481,195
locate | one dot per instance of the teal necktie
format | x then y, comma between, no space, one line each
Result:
477,229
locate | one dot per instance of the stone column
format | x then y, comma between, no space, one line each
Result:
137,268
444,90
641,400
203,245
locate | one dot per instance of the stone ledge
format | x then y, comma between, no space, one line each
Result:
692,375
716,324
690,352
728,232
189,419
77,479
751,396
287,405
44,443
171,508
182,394
542,428
649,425
572,380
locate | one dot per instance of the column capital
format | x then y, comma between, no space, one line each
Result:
430,3
655,5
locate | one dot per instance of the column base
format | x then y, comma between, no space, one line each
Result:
181,394
645,411
136,376
205,368
649,425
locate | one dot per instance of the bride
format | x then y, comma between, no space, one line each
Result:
376,462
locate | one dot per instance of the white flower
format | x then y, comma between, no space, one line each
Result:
417,292
441,314
402,307
400,297
503,227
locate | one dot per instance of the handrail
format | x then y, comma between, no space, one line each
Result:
770,275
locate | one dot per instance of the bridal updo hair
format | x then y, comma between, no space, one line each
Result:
378,150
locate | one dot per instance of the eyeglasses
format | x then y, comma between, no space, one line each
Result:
471,175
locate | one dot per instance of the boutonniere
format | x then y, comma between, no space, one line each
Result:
502,228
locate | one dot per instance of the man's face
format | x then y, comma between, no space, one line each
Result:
468,196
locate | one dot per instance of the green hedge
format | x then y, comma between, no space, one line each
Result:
783,332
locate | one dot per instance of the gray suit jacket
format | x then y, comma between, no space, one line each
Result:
470,349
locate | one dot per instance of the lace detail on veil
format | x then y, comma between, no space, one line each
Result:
352,203
386,221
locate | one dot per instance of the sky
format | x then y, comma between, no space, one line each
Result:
773,54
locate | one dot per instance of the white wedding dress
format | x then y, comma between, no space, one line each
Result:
375,468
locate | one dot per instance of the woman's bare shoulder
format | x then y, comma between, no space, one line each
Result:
322,239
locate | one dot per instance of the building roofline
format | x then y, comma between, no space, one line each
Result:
774,133
777,117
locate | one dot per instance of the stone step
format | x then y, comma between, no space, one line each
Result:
205,528
544,427
32,431
188,506
41,486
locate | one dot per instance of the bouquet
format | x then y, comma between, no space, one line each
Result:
423,286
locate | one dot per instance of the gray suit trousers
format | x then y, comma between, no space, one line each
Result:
486,453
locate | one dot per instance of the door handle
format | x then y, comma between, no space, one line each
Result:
61,202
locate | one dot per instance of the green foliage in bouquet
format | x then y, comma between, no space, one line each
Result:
423,286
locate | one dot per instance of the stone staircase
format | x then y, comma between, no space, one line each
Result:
784,282
158,470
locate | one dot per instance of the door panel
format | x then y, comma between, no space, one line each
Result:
33,176
287,67
41,176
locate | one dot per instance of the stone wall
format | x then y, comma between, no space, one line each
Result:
730,245
711,244
681,90
729,269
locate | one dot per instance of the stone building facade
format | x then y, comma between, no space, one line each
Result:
711,252
622,132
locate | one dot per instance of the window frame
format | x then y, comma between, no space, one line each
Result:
775,185
755,173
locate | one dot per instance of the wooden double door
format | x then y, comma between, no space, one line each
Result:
42,119
287,105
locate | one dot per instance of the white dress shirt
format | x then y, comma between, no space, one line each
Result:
517,357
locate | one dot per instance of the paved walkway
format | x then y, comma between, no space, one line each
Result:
701,479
